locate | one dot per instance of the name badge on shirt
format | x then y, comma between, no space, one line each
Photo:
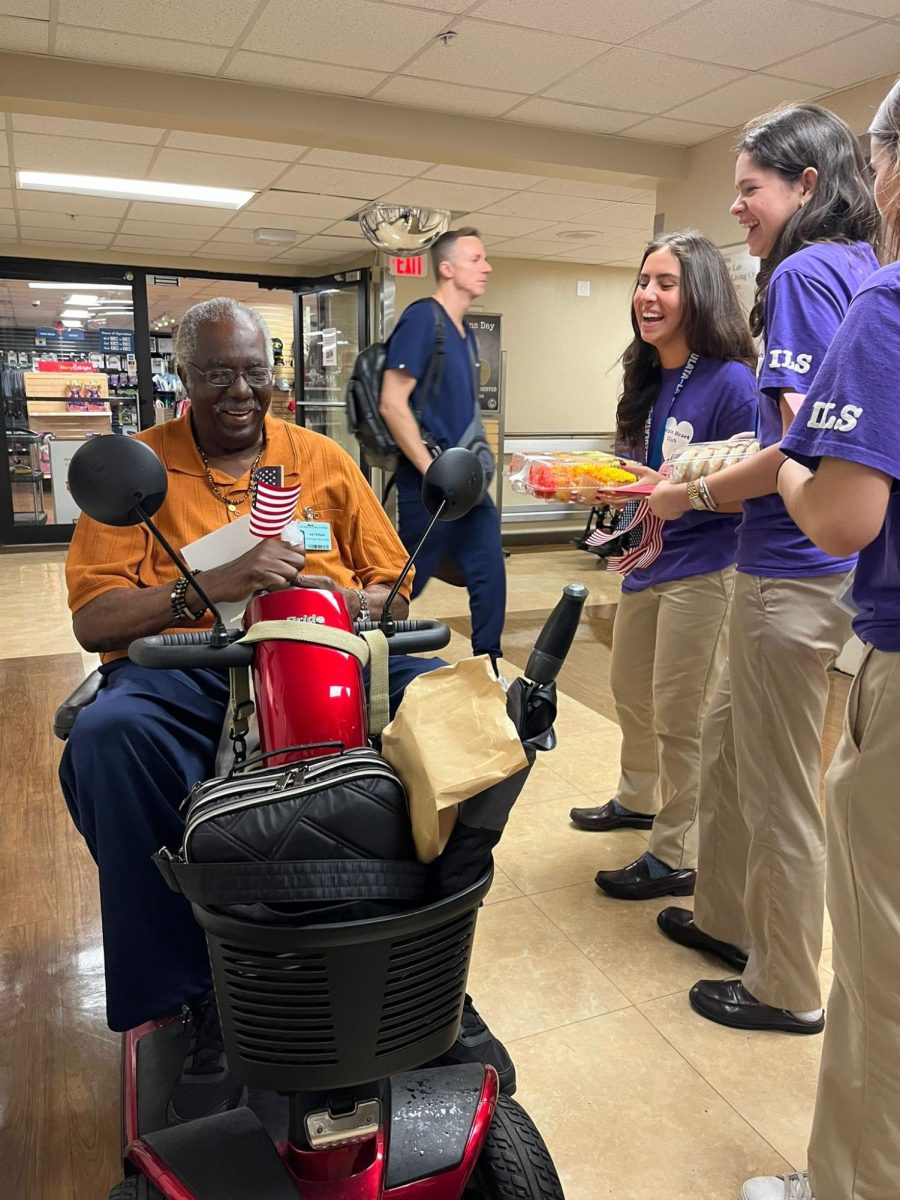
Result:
316,534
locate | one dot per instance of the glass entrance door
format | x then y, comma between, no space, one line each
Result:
332,325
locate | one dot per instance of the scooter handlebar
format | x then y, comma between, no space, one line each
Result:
174,651
555,639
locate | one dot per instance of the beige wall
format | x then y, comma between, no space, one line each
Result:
701,201
562,349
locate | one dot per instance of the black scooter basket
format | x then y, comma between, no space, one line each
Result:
319,1007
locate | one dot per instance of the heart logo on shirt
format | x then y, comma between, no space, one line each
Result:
678,434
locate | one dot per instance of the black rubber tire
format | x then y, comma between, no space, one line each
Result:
515,1163
136,1187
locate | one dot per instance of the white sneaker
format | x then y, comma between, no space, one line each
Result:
778,1187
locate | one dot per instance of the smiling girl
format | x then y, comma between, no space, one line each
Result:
809,215
687,379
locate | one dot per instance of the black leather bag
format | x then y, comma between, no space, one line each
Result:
320,839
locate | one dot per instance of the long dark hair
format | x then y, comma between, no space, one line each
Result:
841,207
886,130
713,321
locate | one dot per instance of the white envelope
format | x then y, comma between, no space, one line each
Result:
217,548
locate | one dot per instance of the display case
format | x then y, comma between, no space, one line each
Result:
26,477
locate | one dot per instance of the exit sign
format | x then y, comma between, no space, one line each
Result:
416,268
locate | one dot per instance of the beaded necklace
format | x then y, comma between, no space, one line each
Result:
230,504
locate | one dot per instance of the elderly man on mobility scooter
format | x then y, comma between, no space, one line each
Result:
150,735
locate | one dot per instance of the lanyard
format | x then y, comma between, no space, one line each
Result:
654,457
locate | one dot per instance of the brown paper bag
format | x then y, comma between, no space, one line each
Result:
451,739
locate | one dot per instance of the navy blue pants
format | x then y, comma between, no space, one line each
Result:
473,544
133,756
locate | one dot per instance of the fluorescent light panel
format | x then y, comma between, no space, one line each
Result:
73,287
82,301
134,189
72,324
80,313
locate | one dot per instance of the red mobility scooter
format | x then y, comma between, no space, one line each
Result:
327,1015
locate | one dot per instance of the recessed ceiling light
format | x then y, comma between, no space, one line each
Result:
134,189
80,313
72,324
275,237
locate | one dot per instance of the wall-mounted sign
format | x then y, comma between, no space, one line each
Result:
409,268
486,328
57,335
117,341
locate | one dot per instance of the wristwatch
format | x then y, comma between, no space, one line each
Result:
695,498
364,614
177,599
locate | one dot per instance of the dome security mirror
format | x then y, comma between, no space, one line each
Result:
403,230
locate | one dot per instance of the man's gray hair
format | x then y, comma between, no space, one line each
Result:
222,308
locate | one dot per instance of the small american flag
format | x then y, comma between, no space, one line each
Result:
648,549
273,506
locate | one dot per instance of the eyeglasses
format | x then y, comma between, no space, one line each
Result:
224,377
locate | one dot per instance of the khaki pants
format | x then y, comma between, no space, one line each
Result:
854,1152
761,878
668,649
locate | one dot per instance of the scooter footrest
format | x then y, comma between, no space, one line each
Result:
441,1099
225,1157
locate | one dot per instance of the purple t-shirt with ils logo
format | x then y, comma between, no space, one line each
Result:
853,412
806,300
717,401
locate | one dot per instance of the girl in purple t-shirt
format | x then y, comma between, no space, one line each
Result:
688,379
848,432
759,902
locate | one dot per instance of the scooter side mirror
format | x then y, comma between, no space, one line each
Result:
110,476
455,479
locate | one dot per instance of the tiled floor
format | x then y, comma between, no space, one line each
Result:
637,1097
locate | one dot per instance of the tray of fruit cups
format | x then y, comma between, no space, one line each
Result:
572,478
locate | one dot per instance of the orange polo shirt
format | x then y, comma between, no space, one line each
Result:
364,550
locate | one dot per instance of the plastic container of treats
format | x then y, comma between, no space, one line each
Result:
706,458
568,477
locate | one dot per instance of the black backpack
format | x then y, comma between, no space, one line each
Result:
364,396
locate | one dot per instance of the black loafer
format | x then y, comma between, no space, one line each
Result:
607,816
727,1002
678,924
634,882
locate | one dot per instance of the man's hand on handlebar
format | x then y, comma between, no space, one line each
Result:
270,566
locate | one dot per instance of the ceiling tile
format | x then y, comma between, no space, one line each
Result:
4,151
5,198
874,8
19,34
329,242
167,245
749,33
513,59
626,73
41,152
8,233
39,10
64,221
208,22
98,206
612,21
101,131
457,197
447,6
256,219
237,253
679,133
273,71
553,208
125,50
37,233
582,117
5,180
244,237
492,225
448,98
584,236
620,216
346,229
175,215
211,143
501,179
333,181
595,191
739,101
365,162
216,170
163,229
302,204
851,60
358,33
529,248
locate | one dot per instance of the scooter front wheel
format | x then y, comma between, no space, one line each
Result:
515,1163
136,1187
